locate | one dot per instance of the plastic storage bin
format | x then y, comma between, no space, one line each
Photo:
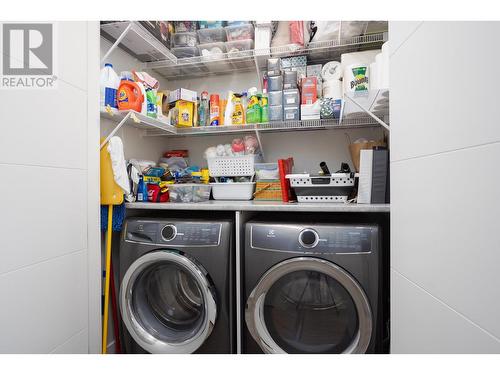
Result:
184,40
184,26
184,52
232,166
189,193
212,35
210,24
211,51
239,32
233,191
239,48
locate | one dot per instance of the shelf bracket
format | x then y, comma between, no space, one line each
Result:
118,126
257,135
117,42
376,118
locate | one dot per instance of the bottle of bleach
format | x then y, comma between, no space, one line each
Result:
109,83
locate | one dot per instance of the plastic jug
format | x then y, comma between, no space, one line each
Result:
130,96
109,83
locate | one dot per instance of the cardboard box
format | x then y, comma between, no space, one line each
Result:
182,94
309,90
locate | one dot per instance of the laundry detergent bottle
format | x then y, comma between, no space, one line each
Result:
129,96
109,83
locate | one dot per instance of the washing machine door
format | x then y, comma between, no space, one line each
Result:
309,305
167,302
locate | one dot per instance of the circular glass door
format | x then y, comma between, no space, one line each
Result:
167,303
309,305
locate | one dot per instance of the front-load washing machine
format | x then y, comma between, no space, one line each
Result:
176,286
311,288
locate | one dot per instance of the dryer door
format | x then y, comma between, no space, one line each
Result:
309,305
167,302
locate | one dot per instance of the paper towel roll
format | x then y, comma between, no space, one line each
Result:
374,76
332,71
384,68
332,89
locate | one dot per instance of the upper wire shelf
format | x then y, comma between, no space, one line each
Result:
231,62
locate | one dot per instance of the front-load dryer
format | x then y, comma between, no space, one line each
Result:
311,288
176,286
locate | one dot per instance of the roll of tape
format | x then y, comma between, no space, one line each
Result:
332,71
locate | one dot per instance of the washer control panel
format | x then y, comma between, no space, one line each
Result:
181,234
314,239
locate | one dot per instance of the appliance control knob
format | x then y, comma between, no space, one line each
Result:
169,232
308,238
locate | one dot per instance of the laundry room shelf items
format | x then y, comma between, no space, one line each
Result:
133,38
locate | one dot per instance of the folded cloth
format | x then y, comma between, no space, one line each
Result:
146,79
115,149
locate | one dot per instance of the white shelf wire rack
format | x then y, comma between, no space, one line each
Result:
241,61
374,103
275,126
136,40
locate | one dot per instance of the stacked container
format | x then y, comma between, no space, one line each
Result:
291,96
240,37
185,40
212,37
275,89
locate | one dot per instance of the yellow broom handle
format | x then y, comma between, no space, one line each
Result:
106,285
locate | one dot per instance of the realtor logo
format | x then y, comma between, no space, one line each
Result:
28,55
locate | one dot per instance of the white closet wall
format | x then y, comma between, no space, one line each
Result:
49,254
445,294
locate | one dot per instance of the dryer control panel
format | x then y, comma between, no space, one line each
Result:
175,234
314,239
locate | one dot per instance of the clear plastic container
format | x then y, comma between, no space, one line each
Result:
242,191
239,32
212,51
238,23
240,48
184,40
184,26
185,52
212,35
210,24
189,193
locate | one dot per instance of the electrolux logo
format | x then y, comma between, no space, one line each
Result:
28,56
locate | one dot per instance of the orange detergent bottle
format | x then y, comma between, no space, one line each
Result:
129,96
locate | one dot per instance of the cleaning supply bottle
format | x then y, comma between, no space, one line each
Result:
203,110
238,115
214,110
142,190
109,83
264,105
129,96
151,110
254,111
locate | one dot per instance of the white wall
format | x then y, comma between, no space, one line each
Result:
49,252
445,258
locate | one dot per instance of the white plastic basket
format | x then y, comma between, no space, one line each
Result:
232,166
233,191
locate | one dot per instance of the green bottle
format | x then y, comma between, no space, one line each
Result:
254,111
264,105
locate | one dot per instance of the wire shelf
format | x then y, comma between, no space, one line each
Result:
276,126
241,61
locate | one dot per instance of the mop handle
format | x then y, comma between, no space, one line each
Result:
106,287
